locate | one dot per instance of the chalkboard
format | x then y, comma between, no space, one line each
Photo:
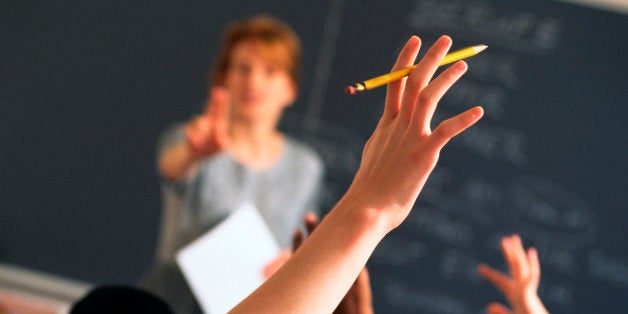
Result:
547,161
87,88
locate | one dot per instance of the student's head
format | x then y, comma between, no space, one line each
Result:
121,300
259,64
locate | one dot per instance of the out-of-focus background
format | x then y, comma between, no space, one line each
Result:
87,87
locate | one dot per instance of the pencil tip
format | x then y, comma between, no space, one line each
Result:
350,90
480,48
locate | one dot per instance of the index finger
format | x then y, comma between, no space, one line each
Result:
217,106
515,256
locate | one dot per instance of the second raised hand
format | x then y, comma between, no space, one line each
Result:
207,133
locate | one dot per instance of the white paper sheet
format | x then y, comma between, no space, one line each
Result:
225,265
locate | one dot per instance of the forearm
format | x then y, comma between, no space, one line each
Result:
321,272
358,299
177,162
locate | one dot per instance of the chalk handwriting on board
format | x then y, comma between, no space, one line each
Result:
560,260
481,192
400,252
503,69
493,99
459,265
339,147
549,213
503,27
603,267
446,227
405,298
492,142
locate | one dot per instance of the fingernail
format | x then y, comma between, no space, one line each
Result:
477,111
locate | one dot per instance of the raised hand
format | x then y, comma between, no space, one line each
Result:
404,149
206,134
519,287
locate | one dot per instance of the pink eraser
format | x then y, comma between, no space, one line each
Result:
350,90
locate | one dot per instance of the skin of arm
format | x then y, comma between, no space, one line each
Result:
396,163
521,284
359,299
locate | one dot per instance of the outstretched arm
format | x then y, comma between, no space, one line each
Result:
520,286
358,299
396,163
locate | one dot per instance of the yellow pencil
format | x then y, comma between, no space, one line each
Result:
387,78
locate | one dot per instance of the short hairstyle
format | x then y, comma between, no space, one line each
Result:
277,42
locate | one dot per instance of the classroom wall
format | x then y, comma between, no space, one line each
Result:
88,86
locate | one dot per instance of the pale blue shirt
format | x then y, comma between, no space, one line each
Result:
283,194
